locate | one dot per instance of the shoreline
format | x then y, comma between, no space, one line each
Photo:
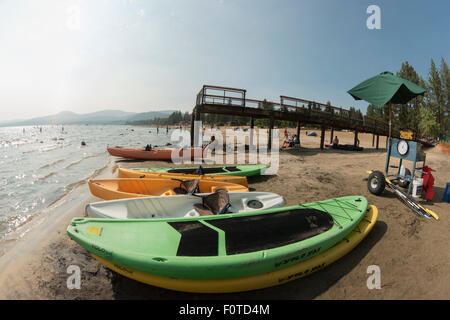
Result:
25,245
411,252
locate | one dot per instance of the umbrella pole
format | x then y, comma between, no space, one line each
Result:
390,120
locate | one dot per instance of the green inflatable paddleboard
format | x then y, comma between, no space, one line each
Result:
221,246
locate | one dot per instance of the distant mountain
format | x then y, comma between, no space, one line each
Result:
99,117
150,115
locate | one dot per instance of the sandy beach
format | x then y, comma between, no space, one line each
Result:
412,252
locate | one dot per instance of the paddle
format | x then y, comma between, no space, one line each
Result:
411,203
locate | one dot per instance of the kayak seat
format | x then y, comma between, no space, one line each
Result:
179,191
200,171
215,203
189,186
203,210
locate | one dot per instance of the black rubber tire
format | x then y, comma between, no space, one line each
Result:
376,183
404,183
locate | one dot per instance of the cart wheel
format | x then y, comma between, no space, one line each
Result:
376,183
404,183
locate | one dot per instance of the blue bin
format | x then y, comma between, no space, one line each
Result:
446,197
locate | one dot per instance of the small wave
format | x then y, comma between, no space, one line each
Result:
51,164
13,222
69,188
80,160
51,148
47,176
97,172
45,149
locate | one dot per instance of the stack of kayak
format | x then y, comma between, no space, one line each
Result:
201,230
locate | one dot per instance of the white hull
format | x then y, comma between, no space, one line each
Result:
176,206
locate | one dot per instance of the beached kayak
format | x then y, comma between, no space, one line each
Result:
221,246
111,189
131,173
246,170
154,154
179,206
259,281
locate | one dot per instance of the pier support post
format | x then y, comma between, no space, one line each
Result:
322,137
373,139
331,135
378,140
192,127
252,127
195,117
269,144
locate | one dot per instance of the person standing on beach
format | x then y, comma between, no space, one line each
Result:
211,145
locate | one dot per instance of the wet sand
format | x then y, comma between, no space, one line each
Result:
412,252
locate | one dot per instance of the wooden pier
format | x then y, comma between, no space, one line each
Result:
233,101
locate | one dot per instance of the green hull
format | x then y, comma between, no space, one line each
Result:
221,246
249,170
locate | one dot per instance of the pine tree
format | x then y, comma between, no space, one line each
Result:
445,79
407,115
436,95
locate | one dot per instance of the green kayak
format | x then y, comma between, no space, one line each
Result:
221,246
246,170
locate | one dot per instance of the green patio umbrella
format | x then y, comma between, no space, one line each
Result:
386,88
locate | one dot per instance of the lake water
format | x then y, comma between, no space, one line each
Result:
37,168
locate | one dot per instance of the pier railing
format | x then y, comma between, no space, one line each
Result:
311,110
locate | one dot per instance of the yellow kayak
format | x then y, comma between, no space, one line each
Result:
128,173
111,189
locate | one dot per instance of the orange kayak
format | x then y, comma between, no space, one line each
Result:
128,173
154,154
111,189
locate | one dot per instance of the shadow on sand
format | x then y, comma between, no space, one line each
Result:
438,195
304,288
313,151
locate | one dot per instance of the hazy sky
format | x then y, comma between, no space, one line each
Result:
140,56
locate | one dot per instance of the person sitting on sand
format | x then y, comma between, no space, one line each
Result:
335,141
294,140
